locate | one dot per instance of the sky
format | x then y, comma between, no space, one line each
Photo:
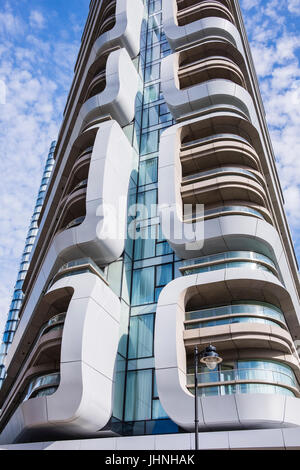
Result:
39,42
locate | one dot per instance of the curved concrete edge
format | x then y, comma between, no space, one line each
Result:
118,98
230,411
106,208
82,404
102,234
170,198
222,232
181,36
125,33
186,102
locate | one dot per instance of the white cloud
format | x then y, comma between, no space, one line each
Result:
37,72
275,50
36,19
294,6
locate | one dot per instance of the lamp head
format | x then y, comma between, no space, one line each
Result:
210,357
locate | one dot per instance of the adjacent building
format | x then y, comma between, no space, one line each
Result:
17,298
162,229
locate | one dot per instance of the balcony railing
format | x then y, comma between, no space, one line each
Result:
229,255
258,309
82,184
182,4
220,170
223,377
43,385
234,259
97,85
79,266
55,323
204,9
75,222
228,210
210,68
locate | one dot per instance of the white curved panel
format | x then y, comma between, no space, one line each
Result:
169,195
125,33
223,233
189,101
170,359
82,404
118,98
181,36
101,235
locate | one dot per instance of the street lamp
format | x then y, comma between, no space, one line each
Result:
211,359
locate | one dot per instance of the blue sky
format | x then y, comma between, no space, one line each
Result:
39,41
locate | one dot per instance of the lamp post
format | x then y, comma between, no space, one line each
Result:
211,359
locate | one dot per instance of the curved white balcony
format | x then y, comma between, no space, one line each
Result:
176,158
44,385
101,235
117,100
203,9
125,32
78,401
260,410
214,93
181,36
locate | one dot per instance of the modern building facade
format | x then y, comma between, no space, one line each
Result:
163,228
16,303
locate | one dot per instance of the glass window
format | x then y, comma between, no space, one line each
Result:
151,116
138,395
164,274
149,142
141,336
153,53
119,388
148,199
151,93
154,6
163,426
163,249
152,72
143,286
153,37
165,49
148,172
157,410
144,247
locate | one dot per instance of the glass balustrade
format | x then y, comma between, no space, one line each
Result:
224,137
258,261
230,321
231,255
87,151
258,309
257,372
79,266
244,388
223,169
231,264
43,385
82,184
55,323
75,222
223,209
